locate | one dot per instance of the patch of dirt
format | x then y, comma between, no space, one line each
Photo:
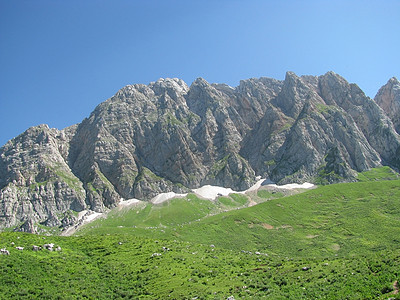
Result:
396,287
285,227
267,226
335,247
252,203
311,236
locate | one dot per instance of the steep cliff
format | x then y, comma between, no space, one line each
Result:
388,98
167,136
36,181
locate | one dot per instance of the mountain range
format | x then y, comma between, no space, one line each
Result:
170,137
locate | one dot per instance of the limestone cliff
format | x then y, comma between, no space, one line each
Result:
388,98
167,136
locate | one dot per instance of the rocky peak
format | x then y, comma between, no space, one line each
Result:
36,180
369,118
388,98
203,96
174,87
224,88
260,88
201,82
333,88
166,136
293,95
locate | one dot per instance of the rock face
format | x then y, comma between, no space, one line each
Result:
35,179
329,120
167,136
388,98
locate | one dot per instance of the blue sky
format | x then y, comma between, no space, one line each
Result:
59,59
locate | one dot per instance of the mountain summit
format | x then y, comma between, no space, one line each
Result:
167,136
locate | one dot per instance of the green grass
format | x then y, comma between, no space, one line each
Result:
172,120
219,166
269,195
227,201
161,220
338,241
239,198
232,201
285,127
155,218
382,173
343,219
125,266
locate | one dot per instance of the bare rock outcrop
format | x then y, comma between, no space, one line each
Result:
388,98
36,181
170,137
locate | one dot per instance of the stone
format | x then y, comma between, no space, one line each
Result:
27,226
36,248
170,137
388,98
49,246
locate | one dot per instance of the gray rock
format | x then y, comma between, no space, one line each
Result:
27,226
52,220
326,118
35,180
36,248
68,220
388,98
167,136
49,246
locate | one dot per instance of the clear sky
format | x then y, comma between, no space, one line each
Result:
60,58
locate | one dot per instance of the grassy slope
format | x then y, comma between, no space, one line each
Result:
335,242
343,219
376,174
165,217
124,266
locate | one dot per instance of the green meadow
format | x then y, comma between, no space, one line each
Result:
338,241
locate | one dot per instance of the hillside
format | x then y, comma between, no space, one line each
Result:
123,266
334,242
340,219
168,136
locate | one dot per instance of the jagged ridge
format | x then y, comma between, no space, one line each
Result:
167,136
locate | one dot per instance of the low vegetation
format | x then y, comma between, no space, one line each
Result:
376,174
335,242
269,195
125,266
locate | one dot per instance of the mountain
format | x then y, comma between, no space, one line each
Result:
167,136
338,241
388,98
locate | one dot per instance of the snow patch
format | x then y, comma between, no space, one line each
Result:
84,217
258,184
212,192
291,186
209,192
81,214
92,217
129,202
166,196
